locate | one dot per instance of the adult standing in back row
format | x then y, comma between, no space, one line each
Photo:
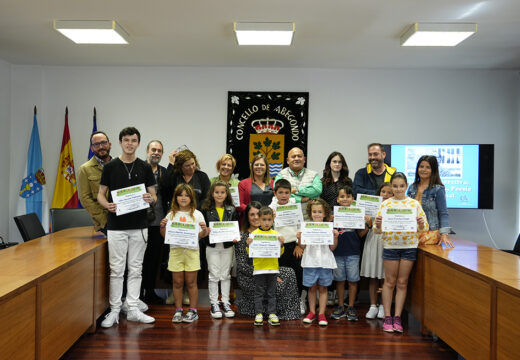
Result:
368,179
306,184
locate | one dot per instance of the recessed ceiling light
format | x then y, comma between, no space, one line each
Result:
264,33
437,34
92,31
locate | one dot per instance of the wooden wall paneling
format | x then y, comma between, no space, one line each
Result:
101,283
457,308
66,307
508,325
18,326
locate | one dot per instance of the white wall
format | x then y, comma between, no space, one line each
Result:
5,125
348,109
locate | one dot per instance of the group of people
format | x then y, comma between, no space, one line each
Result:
281,288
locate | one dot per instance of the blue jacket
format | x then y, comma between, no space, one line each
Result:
364,183
433,202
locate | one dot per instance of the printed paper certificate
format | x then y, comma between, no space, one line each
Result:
370,203
317,233
222,231
399,220
348,217
129,199
264,246
182,234
288,215
234,195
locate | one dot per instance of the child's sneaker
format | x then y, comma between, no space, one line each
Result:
228,312
259,319
322,320
338,313
273,320
215,311
398,327
309,318
388,324
190,316
352,314
372,312
177,317
381,312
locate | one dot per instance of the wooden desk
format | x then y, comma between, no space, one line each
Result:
52,290
470,297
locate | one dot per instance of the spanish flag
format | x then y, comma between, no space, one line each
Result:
65,190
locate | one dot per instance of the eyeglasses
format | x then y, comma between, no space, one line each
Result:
98,144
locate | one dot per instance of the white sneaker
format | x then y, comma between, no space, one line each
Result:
215,311
138,316
110,319
303,297
228,312
372,312
381,312
303,307
141,305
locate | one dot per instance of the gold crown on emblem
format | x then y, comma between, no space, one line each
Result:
267,126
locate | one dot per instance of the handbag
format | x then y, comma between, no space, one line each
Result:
430,237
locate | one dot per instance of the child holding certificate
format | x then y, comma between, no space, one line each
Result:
184,262
217,207
400,247
372,261
347,255
265,270
292,256
318,263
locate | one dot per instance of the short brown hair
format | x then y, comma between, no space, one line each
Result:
376,144
265,210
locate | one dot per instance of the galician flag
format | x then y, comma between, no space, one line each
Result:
65,190
94,129
33,194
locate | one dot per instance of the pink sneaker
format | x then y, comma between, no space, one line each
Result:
398,327
388,325
322,320
309,318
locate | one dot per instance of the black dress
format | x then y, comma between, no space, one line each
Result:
287,299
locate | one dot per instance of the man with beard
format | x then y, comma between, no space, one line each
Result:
152,255
370,178
89,175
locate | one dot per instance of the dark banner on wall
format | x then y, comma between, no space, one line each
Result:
271,123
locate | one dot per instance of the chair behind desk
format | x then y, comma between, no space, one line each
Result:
30,226
68,218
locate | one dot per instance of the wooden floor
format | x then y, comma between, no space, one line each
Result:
238,338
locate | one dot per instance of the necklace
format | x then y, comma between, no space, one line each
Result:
129,172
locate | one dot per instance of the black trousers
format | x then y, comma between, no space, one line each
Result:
289,260
151,260
265,288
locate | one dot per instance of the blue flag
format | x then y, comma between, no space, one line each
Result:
94,129
32,195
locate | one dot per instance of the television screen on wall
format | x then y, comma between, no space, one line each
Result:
466,170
